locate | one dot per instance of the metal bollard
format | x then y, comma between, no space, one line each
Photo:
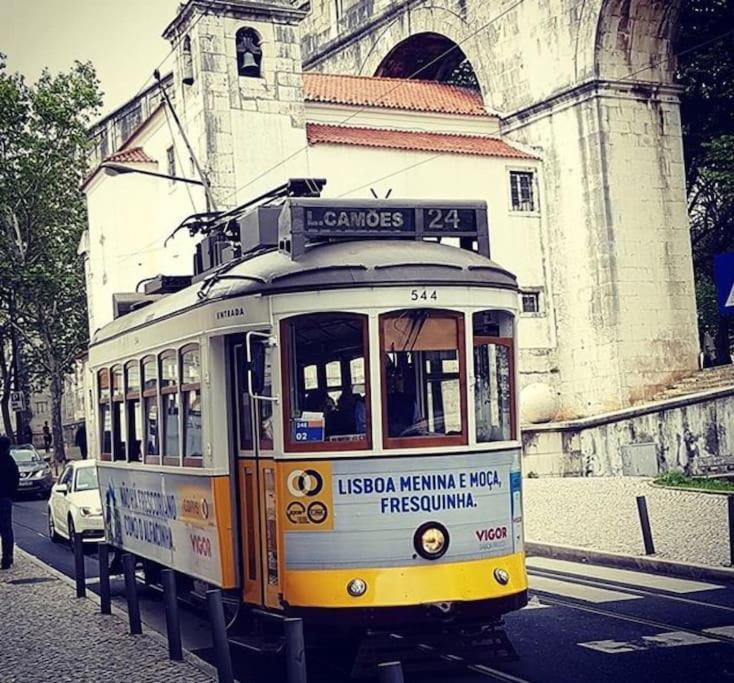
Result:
105,601
390,672
295,651
645,524
730,505
222,654
81,584
173,624
131,592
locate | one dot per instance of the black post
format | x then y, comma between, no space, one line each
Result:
222,654
390,672
645,524
730,505
81,586
295,651
173,625
131,592
103,555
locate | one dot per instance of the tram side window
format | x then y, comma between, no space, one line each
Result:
105,419
119,432
424,376
327,404
191,404
169,407
494,376
132,409
151,424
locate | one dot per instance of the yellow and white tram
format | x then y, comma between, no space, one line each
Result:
326,426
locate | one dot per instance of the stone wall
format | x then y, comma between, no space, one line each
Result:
690,434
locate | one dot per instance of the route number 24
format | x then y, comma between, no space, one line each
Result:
423,295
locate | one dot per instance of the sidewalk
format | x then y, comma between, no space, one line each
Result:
600,513
49,635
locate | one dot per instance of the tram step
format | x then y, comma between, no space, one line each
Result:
258,644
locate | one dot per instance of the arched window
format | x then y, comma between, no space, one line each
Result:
151,423
170,407
105,419
187,64
119,433
191,404
249,53
132,409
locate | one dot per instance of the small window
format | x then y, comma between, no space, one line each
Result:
119,431
170,408
522,191
132,409
191,403
423,378
325,408
105,419
171,163
151,426
530,302
494,377
249,53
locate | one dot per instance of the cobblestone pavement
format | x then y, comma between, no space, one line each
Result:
47,634
600,513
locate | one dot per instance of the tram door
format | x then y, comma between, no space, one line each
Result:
253,451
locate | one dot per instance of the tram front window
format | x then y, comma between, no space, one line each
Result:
423,377
327,386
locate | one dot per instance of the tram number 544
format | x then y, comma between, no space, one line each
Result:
423,295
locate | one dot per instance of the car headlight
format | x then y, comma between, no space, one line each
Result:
431,540
39,473
89,511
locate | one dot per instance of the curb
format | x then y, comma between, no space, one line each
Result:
690,489
634,562
188,656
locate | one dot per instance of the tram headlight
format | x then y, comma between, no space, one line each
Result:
501,576
357,587
431,540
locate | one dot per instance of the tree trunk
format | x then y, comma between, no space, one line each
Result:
5,378
57,391
723,349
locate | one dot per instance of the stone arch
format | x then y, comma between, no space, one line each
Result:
634,40
428,56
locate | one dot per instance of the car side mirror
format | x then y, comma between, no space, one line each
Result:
63,489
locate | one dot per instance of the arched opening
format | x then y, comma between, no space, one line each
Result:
249,52
429,57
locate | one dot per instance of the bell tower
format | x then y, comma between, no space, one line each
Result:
239,92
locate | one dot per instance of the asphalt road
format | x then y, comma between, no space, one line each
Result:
584,623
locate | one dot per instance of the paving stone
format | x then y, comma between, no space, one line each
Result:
49,635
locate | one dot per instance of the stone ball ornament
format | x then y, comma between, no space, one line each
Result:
538,403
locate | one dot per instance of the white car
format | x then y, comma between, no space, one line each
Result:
75,506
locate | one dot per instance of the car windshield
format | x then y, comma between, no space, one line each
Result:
86,478
24,455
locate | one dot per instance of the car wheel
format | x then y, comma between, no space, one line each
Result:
52,529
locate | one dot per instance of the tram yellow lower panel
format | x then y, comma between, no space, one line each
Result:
401,586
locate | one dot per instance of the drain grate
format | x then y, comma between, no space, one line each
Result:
32,579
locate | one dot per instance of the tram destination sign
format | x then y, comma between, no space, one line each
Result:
304,220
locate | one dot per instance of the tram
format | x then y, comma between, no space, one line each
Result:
325,426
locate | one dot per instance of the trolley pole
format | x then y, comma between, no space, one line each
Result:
645,524
105,601
173,624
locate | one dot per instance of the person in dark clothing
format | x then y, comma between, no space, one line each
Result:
81,440
46,436
9,478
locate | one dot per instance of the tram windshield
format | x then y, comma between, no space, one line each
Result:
328,388
423,377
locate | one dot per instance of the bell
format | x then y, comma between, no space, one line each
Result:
249,66
187,72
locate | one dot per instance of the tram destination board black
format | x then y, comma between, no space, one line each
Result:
308,220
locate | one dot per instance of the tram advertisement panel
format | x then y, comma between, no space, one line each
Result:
362,513
167,518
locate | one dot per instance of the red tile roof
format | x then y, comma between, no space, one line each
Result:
134,155
393,93
424,142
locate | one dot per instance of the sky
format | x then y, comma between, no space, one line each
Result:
122,38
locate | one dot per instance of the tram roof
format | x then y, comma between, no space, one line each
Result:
339,265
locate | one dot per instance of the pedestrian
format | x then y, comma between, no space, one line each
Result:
9,478
46,436
81,440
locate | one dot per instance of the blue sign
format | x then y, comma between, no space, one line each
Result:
724,278
309,430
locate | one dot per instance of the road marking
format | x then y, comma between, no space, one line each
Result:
577,590
666,583
669,639
725,631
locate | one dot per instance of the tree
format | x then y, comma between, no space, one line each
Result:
706,71
43,159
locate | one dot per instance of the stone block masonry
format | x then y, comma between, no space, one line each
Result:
49,635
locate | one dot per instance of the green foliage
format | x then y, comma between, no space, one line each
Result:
679,479
43,152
